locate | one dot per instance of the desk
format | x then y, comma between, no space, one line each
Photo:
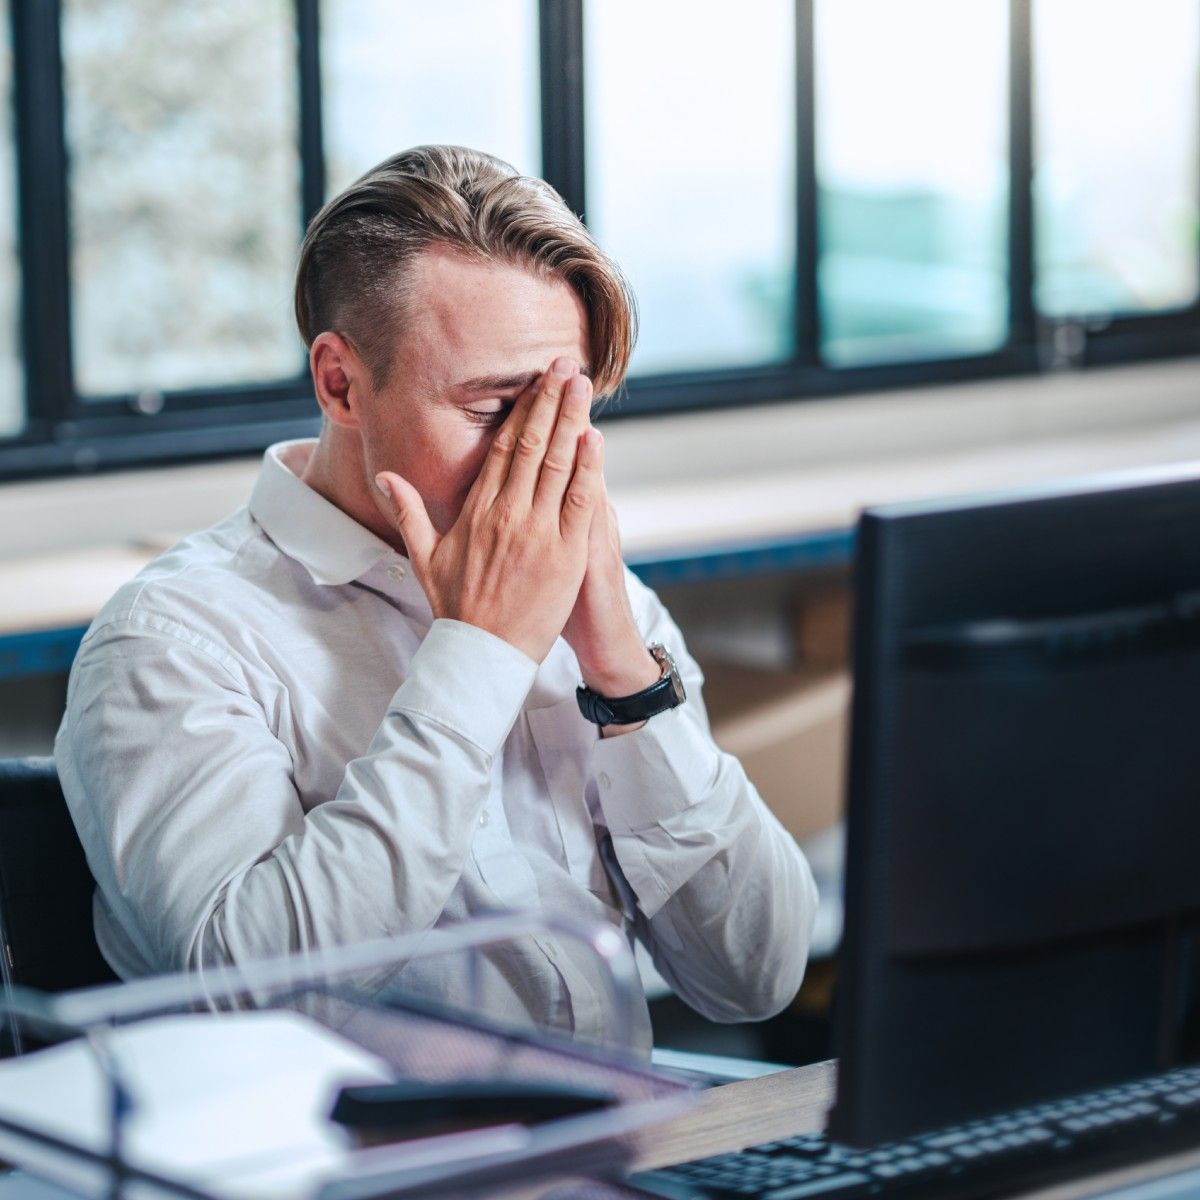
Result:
774,1106
681,532
47,602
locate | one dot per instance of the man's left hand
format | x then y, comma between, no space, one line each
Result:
601,630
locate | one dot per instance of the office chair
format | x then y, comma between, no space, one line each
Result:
46,935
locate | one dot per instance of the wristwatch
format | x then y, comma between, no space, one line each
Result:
666,692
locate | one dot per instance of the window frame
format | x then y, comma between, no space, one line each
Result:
65,434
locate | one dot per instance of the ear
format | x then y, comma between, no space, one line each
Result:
340,378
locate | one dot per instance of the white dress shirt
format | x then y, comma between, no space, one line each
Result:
269,745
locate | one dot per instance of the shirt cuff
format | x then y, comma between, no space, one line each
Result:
654,773
467,680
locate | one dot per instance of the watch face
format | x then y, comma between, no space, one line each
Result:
670,671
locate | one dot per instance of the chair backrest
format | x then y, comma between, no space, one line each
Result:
46,932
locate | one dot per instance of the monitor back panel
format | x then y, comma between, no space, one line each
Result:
1023,859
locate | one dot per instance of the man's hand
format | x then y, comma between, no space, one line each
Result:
514,560
601,630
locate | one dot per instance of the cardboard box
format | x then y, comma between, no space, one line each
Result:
789,729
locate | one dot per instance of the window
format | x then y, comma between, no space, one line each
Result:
1116,131
12,380
184,197
385,83
811,197
913,189
691,173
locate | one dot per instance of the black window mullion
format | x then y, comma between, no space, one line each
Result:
806,311
1022,312
560,52
312,145
42,209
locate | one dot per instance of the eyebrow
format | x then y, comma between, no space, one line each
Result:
504,383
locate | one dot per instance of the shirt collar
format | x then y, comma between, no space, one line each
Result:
332,546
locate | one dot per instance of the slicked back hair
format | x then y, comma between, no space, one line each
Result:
352,277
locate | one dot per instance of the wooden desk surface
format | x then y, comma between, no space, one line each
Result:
683,521
743,1114
706,528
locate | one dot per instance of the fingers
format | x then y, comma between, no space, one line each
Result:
533,438
564,444
495,467
586,487
410,518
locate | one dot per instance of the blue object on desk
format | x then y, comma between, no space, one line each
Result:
737,560
39,652
51,651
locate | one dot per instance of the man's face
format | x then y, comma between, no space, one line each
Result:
474,336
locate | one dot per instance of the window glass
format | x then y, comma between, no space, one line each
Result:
690,111
912,170
398,75
184,192
1117,109
12,376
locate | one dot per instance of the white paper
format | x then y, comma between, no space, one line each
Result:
236,1104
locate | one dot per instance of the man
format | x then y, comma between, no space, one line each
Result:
350,710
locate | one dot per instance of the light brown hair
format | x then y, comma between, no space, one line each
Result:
351,278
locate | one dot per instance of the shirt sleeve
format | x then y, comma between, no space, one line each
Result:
725,900
200,844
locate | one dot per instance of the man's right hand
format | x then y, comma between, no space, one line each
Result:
514,560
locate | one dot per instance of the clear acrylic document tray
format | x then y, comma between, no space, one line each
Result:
219,1085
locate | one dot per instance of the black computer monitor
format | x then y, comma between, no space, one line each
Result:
1023,850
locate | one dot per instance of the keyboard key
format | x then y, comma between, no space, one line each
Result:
807,1144
851,1181
947,1141
793,1164
810,1166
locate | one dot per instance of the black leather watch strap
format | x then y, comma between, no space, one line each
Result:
665,693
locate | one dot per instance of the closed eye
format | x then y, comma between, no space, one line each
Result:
490,415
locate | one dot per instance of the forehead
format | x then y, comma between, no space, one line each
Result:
466,318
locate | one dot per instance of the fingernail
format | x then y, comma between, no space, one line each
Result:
381,484
562,368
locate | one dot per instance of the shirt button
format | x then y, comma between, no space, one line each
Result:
483,817
605,782
397,571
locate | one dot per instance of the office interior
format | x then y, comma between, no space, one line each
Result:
881,251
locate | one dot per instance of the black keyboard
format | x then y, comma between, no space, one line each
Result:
1024,1147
